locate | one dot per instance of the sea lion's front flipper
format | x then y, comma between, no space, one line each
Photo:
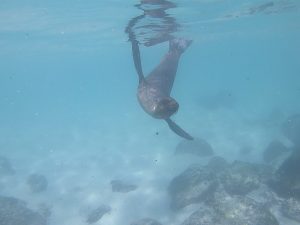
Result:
178,130
137,59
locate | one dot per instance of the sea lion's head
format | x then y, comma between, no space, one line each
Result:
165,108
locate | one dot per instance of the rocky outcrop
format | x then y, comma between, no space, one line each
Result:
290,208
204,216
241,178
15,212
198,147
37,183
5,167
286,181
291,129
146,221
96,214
230,210
274,151
121,186
217,164
194,185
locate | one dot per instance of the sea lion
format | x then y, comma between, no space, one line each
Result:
154,90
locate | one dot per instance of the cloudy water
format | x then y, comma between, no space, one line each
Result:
76,147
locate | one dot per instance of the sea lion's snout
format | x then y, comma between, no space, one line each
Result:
165,108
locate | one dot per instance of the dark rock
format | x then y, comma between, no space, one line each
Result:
14,212
217,164
291,128
5,167
37,183
291,209
241,178
120,186
197,147
286,181
274,150
194,185
97,213
146,221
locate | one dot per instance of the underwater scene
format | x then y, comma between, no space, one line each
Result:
150,112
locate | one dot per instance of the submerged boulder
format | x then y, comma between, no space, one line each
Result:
224,209
241,177
286,181
37,183
228,210
96,214
291,128
14,212
206,216
217,164
198,147
194,185
45,210
245,150
5,167
121,186
274,150
291,209
265,196
242,210
146,221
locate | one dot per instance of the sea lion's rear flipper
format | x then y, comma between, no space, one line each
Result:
178,130
135,46
137,59
179,45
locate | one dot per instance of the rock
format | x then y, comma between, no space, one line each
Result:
228,210
245,150
271,120
198,147
5,167
265,196
242,210
274,150
120,186
14,212
217,164
96,214
37,183
146,221
194,185
241,178
44,210
205,216
286,181
291,209
291,128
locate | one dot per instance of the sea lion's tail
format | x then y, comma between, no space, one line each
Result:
179,45
178,130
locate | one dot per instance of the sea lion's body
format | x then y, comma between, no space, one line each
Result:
154,90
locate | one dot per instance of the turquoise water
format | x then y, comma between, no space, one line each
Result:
68,106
